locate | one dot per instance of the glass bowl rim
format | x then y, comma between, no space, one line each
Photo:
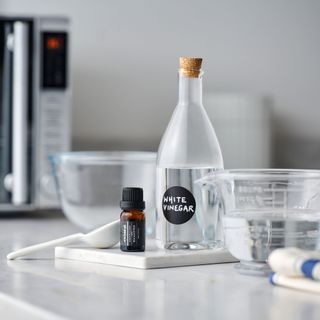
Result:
104,157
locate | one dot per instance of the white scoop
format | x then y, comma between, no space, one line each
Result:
104,237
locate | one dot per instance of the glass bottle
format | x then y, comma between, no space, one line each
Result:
187,218
132,220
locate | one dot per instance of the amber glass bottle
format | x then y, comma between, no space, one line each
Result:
132,220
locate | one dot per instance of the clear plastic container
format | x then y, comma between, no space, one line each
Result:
266,209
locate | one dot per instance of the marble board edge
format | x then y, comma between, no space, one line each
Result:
139,261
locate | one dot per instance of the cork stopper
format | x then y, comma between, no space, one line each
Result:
190,67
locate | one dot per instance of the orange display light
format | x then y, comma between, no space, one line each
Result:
54,43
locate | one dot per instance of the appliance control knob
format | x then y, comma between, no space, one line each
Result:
8,182
48,185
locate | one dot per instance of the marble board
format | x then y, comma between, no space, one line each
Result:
152,258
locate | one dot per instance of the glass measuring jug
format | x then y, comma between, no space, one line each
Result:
266,209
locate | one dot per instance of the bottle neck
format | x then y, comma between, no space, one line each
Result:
190,90
132,210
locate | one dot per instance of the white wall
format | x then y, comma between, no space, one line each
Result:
125,57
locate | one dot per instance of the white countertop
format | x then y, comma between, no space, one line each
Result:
42,288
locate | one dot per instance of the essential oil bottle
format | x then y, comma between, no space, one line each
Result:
132,220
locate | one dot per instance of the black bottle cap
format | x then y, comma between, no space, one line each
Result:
132,198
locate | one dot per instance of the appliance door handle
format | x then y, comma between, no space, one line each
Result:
20,114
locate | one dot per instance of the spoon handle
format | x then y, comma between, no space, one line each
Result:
45,245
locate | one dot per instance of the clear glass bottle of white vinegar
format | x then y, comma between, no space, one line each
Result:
187,218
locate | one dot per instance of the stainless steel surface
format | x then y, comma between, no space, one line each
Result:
53,132
20,113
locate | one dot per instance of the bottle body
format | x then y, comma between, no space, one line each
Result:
187,218
132,231
132,220
201,230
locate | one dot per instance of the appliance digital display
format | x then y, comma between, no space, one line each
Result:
54,60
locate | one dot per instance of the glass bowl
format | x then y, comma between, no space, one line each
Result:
266,209
90,184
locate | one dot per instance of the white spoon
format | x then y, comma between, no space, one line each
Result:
104,237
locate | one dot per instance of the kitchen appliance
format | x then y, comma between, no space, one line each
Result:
266,209
34,108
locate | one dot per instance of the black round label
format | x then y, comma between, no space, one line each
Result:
178,205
